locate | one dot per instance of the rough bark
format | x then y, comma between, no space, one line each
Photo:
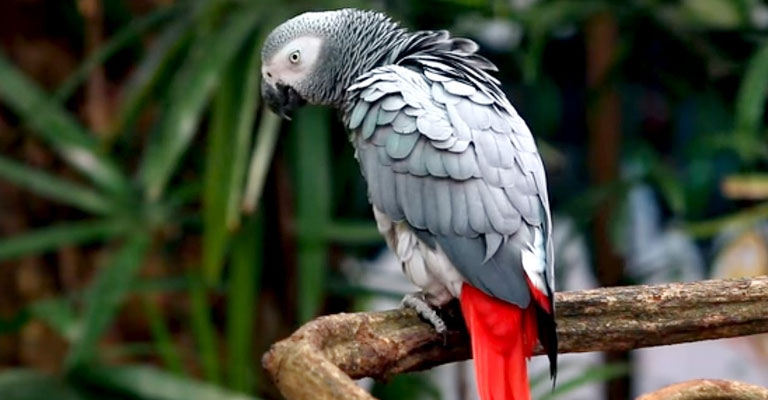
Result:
709,389
320,360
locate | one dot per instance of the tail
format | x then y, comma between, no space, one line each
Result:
503,337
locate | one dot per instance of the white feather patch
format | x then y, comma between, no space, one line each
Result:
428,268
534,259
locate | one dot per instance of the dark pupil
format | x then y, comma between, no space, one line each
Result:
295,57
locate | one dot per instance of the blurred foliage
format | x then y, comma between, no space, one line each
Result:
227,228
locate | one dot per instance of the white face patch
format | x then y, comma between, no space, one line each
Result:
292,62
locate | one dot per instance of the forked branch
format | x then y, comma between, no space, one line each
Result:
321,359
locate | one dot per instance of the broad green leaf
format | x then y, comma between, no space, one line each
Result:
56,236
58,128
106,295
27,384
203,329
163,342
124,37
313,192
190,90
263,150
246,265
53,187
751,99
143,382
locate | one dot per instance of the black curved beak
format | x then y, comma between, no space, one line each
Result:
282,99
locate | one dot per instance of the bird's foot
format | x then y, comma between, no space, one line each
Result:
417,302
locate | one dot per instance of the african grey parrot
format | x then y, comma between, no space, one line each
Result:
457,185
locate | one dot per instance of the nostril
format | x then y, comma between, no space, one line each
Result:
269,74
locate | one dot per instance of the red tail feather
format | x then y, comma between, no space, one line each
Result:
503,337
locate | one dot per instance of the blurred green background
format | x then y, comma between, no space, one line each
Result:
159,229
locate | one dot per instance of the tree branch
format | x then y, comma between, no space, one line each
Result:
708,389
320,359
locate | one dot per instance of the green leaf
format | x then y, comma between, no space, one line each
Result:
163,341
203,329
353,232
189,94
751,99
246,114
143,382
58,314
56,236
226,150
243,294
744,217
124,37
106,295
153,70
263,151
53,187
313,192
58,128
723,14
25,384
672,190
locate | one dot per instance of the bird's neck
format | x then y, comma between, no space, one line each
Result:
359,57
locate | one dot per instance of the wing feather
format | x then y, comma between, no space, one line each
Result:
455,161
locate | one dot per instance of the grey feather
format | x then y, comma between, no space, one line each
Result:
431,214
414,112
392,103
358,113
501,276
404,123
386,117
444,144
460,127
388,195
435,77
492,243
459,213
414,207
434,162
400,146
444,206
434,127
478,219
373,95
458,88
417,165
369,122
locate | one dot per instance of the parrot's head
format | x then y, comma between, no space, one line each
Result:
293,58
313,57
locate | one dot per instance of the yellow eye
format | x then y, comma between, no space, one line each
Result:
294,57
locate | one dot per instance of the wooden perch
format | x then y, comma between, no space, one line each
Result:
708,389
321,359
